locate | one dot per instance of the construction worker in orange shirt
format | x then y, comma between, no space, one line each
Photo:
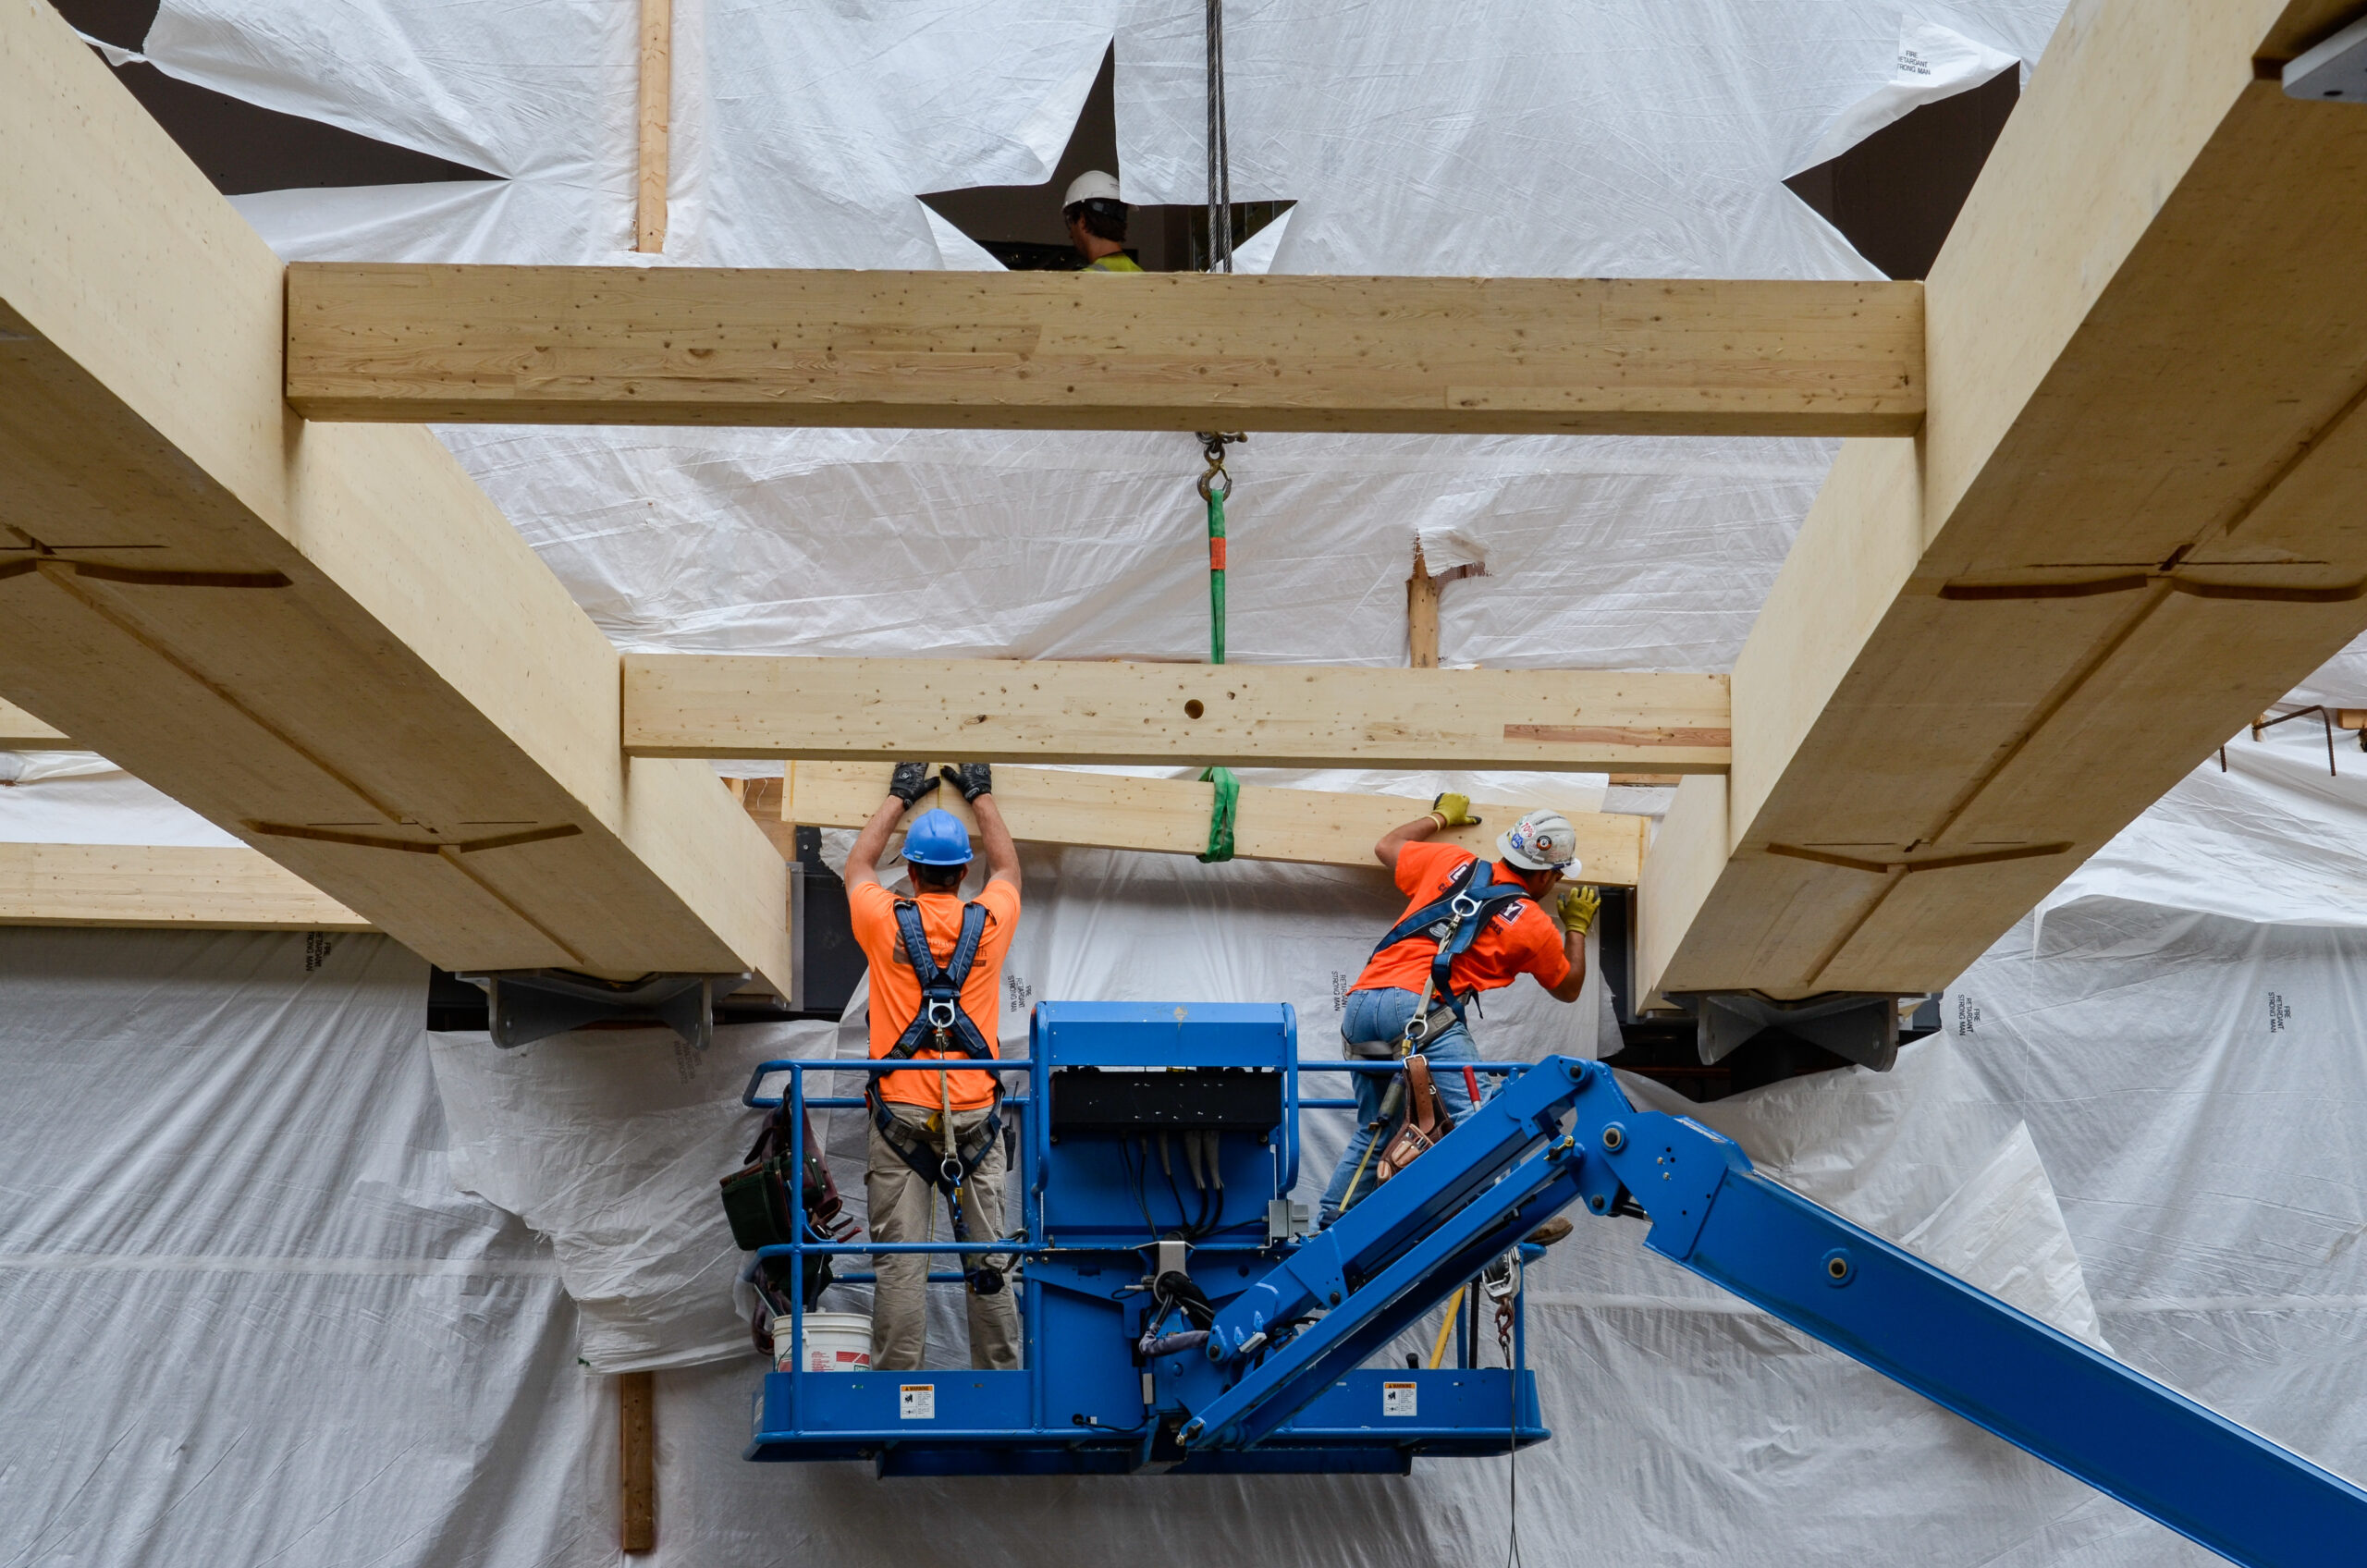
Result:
936,977
1471,926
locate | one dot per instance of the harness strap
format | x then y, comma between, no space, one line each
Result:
929,1163
941,1021
1453,921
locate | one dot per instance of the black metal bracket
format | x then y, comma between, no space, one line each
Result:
526,1005
1860,1027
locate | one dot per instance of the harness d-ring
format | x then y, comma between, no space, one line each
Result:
1463,906
950,1172
941,1016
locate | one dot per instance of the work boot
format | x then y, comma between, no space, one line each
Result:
1545,1235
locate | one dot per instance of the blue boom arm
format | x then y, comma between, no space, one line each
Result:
1563,1133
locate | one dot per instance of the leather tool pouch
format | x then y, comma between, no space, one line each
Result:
1426,1121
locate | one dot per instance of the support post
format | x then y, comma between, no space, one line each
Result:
637,1460
657,111
1422,616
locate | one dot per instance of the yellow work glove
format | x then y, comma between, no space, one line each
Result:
1578,907
1451,810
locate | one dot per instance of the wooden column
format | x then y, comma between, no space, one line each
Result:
657,110
637,1460
1422,616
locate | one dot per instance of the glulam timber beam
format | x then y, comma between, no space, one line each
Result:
2132,521
1068,351
227,889
324,639
1106,810
1274,716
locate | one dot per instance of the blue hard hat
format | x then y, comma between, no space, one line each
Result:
936,838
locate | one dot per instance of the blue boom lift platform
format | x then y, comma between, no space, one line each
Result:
1177,1318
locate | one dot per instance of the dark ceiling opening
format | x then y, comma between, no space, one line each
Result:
242,148
1897,194
1021,225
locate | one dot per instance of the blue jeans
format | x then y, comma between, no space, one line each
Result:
1381,1015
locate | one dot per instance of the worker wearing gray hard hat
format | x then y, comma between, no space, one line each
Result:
1472,926
1096,220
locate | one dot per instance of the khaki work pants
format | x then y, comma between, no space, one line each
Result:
905,1206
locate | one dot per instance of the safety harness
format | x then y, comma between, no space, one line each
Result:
1453,921
943,1027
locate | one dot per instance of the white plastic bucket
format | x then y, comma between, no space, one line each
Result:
835,1341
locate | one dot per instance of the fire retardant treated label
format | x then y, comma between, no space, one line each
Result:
1397,1399
916,1402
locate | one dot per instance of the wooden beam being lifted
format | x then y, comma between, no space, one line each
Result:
1110,810
1275,715
193,889
325,639
2132,521
1055,351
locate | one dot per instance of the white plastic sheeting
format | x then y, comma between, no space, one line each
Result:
254,1313
249,1318
2279,836
232,1361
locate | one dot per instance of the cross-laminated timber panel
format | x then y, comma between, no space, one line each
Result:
324,639
2133,520
1084,351
1276,715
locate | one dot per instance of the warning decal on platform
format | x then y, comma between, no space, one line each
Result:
916,1402
1397,1399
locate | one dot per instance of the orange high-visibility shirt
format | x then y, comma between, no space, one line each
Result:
1519,937
895,990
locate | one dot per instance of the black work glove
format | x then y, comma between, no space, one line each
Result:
910,781
973,778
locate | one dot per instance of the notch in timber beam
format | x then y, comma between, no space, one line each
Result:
1275,715
1106,810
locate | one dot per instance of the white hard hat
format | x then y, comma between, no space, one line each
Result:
1543,840
1092,185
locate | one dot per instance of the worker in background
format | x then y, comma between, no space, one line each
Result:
1407,1000
1097,221
935,978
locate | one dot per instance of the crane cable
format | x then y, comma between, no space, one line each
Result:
1216,484
1219,150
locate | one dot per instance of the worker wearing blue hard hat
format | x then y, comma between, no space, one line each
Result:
1471,926
936,979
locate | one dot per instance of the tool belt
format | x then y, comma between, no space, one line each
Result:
1424,1027
1425,1122
755,1201
926,1155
